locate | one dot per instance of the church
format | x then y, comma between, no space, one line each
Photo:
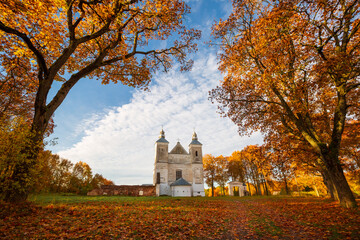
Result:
178,173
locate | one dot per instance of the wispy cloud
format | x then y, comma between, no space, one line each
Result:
120,143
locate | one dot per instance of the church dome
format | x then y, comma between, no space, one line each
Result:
195,140
162,137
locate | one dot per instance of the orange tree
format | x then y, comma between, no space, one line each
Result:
67,40
293,64
210,171
215,171
236,168
257,167
222,174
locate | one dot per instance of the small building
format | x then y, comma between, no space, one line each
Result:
237,189
180,188
178,172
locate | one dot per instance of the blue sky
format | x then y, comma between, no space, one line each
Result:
113,128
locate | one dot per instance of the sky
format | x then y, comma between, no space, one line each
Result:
113,128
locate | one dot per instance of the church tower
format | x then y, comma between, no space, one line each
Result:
161,165
195,151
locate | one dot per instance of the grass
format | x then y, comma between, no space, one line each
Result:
49,216
44,199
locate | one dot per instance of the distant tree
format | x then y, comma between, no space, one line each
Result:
215,171
65,41
257,167
99,180
236,168
209,162
81,178
61,173
55,174
281,168
221,172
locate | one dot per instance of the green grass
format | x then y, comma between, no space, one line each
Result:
47,198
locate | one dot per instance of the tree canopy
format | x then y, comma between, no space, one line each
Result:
293,66
67,40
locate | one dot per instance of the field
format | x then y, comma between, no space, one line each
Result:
57,217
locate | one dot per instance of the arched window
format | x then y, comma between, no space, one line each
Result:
196,153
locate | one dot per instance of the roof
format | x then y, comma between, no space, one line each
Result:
195,142
163,140
178,149
180,182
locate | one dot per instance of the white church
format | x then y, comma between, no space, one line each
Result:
178,173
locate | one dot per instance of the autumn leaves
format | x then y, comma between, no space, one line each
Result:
173,218
292,72
66,41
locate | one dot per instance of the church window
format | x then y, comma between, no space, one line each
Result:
196,153
178,174
158,178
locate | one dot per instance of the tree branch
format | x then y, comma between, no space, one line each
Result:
40,58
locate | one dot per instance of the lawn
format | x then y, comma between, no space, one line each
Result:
56,217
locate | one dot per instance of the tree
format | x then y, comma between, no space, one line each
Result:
13,138
99,180
60,172
215,171
293,65
68,40
81,178
209,162
236,168
60,175
281,167
221,173
257,168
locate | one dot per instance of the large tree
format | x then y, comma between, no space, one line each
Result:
294,64
68,40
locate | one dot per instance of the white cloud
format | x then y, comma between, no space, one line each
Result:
120,143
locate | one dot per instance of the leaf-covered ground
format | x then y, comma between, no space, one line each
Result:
63,217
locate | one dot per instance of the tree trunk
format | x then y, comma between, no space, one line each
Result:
259,188
337,177
329,185
266,188
212,187
249,188
286,185
297,185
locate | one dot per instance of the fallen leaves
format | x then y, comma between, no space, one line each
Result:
186,218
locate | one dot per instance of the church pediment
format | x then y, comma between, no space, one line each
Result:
178,149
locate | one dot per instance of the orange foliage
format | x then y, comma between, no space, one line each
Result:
293,67
65,41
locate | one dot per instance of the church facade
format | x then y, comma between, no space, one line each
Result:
178,173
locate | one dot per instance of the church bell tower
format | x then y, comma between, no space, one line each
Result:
161,165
